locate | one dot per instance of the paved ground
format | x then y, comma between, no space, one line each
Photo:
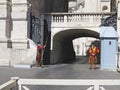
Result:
61,71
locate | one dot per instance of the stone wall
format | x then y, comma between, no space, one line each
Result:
15,47
96,6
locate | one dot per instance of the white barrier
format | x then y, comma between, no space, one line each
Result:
94,84
10,85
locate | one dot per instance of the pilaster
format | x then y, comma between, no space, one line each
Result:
19,21
118,28
118,18
5,8
5,22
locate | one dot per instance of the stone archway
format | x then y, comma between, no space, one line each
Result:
63,51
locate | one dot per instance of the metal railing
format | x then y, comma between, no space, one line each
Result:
94,84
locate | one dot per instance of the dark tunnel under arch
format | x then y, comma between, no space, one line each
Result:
63,51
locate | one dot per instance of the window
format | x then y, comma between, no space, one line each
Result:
104,8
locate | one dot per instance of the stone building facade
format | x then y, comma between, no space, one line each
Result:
16,45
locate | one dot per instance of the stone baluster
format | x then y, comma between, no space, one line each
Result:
65,18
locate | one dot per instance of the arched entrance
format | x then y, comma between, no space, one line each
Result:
63,51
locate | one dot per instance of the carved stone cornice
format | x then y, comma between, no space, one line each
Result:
110,21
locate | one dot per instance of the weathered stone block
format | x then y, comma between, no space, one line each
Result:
19,15
3,6
2,28
19,1
5,28
19,30
4,56
3,11
17,56
3,1
20,8
4,52
19,44
3,43
19,11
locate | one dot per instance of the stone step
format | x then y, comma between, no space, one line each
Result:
23,65
4,62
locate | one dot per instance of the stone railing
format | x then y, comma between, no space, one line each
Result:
93,84
81,19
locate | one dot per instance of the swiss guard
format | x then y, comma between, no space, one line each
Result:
93,51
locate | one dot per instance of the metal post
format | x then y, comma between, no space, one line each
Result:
42,33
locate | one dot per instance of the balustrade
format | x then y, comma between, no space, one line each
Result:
89,18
